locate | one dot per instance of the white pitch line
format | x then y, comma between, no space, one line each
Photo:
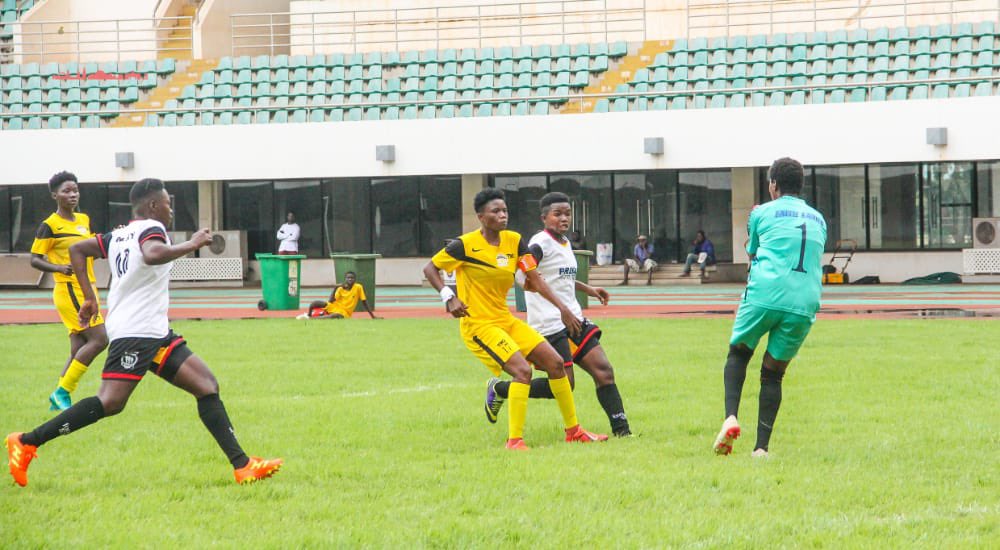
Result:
415,389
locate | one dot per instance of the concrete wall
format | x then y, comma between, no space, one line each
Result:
101,27
213,30
388,271
877,132
382,25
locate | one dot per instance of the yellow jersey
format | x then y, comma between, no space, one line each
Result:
485,273
54,237
345,301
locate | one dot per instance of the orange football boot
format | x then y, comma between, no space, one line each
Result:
576,433
257,469
19,456
517,444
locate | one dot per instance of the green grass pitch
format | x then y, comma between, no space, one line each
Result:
887,437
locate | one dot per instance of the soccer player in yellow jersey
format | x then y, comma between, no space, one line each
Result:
484,262
50,252
343,301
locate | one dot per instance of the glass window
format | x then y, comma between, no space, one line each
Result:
947,205
94,203
249,206
347,213
184,199
988,189
523,194
5,219
706,205
396,216
646,203
29,205
304,199
440,211
592,200
894,206
840,197
119,205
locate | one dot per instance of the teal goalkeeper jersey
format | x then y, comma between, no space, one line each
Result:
787,238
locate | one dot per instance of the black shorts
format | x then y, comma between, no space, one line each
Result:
130,358
573,350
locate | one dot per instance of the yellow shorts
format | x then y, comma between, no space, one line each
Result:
68,297
496,342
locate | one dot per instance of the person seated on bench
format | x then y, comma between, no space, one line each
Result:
702,253
641,260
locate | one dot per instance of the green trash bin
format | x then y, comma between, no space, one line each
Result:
279,281
363,265
583,275
519,302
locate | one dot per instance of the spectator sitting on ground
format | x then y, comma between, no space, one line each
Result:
642,260
702,253
343,301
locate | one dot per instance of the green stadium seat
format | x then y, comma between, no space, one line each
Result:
817,97
315,115
335,60
660,103
503,109
718,101
897,93
391,113
838,96
244,117
919,92
224,118
315,61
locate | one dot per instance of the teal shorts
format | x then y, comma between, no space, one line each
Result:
786,331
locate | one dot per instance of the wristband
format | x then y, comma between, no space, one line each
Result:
447,294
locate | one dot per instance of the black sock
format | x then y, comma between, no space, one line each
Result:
770,400
611,400
84,413
734,375
213,415
539,389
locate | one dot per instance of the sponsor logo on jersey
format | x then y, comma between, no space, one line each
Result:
502,260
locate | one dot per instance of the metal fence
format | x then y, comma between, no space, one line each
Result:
511,24
103,40
708,18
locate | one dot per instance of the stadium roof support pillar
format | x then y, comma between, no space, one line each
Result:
471,184
210,205
744,181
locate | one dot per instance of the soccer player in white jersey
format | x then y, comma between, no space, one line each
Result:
557,266
140,256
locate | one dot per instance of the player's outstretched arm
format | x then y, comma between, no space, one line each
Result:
538,284
594,292
78,254
454,306
155,252
368,309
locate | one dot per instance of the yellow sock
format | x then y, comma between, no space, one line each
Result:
72,377
517,395
563,393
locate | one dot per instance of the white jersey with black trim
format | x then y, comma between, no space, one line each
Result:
139,295
557,265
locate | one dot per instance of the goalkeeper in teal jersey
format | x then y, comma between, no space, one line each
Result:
786,243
